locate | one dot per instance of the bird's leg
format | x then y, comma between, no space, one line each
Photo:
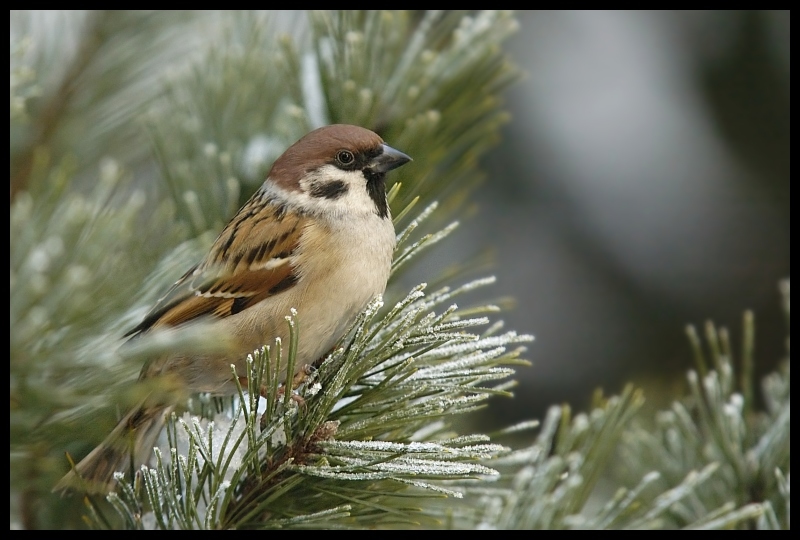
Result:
299,378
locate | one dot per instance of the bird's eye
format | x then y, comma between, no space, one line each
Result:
345,157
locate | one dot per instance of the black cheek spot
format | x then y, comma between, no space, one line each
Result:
329,190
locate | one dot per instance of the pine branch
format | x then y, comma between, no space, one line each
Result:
717,423
350,452
87,85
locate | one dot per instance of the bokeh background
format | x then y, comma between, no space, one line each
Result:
642,184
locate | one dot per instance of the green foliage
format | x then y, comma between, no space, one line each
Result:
360,443
371,435
429,85
710,461
718,423
707,463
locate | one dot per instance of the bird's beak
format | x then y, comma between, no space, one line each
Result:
388,160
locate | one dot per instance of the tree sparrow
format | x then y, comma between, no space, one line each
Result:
317,237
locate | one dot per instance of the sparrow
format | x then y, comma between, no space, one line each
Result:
316,237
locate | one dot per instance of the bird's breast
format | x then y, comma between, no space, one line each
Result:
340,270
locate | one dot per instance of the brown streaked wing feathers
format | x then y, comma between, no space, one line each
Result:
232,278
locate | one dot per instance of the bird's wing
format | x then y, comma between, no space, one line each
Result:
252,259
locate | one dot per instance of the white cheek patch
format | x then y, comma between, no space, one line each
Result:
330,191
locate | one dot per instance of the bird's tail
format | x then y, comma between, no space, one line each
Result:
126,448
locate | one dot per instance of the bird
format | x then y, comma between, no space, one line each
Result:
316,239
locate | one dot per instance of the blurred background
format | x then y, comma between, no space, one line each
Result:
641,184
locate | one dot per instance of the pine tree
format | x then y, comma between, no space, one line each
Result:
136,135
